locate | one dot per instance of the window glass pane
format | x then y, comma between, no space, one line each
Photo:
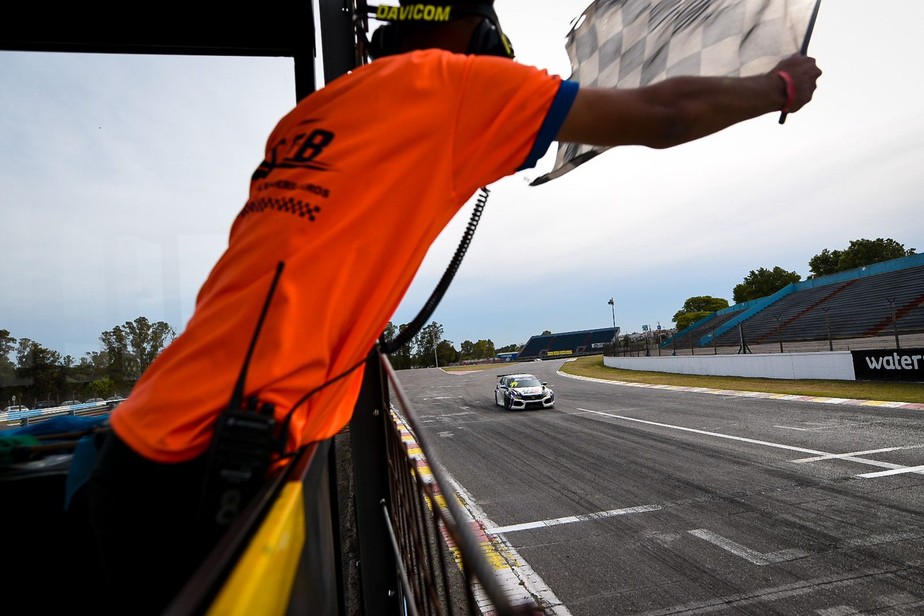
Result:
122,175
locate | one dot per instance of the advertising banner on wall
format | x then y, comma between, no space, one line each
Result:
889,365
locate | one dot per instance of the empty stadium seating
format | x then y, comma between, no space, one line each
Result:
873,301
586,342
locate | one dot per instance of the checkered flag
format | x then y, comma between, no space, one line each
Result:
633,43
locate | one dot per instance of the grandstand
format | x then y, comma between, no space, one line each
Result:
879,301
567,344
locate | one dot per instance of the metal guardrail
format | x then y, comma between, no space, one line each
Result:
425,518
416,551
25,418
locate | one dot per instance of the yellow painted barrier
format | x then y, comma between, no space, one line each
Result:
261,583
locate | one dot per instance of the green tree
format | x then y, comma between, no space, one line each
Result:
399,357
102,388
390,332
41,370
859,253
446,353
426,344
466,350
484,349
130,348
696,308
763,282
7,367
824,263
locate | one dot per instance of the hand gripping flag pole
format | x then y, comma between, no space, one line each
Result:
805,42
634,43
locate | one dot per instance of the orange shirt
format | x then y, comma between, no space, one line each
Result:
357,181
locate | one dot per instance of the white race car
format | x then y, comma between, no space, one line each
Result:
517,392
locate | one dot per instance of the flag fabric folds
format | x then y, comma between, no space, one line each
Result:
633,43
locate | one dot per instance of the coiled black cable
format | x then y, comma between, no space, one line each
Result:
426,311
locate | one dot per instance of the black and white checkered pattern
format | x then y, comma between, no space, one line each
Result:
632,43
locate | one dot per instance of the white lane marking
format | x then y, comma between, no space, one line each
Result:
573,518
746,553
868,462
834,456
898,470
868,540
519,582
705,432
747,394
444,434
517,577
838,610
800,429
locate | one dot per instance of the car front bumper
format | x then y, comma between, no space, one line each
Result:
534,401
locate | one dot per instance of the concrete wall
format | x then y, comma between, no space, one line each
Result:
836,365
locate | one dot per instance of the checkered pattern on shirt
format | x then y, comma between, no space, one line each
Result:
632,43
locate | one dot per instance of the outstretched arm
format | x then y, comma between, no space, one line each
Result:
683,109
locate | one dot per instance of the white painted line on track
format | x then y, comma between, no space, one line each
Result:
868,540
752,394
895,471
888,465
519,582
514,574
573,518
834,456
704,432
752,556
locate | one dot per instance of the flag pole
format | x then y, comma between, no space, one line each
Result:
805,42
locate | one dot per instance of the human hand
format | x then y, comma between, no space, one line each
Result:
803,74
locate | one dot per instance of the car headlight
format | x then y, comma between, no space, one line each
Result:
515,393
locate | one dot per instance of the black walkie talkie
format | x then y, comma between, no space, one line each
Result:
242,447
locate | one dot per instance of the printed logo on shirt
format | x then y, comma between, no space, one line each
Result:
412,12
297,207
284,195
302,151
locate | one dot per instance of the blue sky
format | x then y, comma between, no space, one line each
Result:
121,176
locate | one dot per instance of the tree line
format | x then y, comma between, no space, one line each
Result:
428,349
39,373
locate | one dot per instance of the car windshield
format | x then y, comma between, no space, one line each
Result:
527,381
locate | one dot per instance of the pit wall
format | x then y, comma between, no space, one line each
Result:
835,365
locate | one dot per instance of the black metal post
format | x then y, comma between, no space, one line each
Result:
378,572
743,346
828,328
779,329
894,323
612,304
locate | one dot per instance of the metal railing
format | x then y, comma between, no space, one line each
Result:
415,553
425,518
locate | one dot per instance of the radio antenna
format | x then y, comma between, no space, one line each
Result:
237,396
